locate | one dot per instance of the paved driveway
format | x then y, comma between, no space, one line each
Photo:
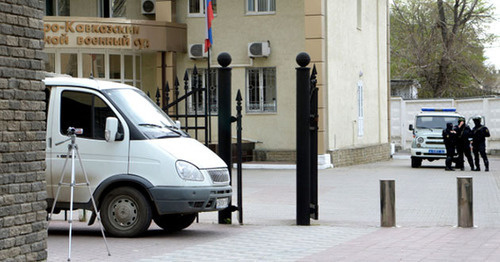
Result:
348,228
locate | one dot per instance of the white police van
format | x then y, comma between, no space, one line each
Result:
427,134
141,166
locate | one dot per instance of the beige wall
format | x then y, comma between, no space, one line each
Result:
232,31
350,51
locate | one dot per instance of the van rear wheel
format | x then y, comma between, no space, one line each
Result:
125,212
174,222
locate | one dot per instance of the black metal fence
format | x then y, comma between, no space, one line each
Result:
192,107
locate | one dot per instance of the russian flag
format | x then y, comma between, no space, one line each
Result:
209,15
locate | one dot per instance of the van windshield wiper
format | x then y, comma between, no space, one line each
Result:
151,125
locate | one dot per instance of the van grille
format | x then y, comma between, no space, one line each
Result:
219,175
434,140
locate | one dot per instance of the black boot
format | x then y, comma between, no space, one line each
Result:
471,164
486,165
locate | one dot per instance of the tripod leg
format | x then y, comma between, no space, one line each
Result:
72,190
98,215
59,185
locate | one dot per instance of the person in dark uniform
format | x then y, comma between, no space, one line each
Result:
449,138
464,135
479,135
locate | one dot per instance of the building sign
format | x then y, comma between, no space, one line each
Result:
77,34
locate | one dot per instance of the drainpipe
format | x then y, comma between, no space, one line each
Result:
163,76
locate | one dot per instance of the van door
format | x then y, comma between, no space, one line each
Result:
86,109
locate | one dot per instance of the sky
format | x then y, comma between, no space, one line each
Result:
492,51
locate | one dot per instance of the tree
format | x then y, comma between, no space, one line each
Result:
440,43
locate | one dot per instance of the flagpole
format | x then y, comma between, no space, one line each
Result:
207,104
209,16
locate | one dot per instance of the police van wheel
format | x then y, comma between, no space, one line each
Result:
174,222
416,162
125,212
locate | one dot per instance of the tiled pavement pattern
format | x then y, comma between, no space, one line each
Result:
273,243
348,229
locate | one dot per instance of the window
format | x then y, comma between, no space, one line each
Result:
57,8
122,68
261,6
196,103
115,67
197,7
93,65
360,109
50,63
118,8
69,64
86,111
261,90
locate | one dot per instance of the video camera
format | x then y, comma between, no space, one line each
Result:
74,131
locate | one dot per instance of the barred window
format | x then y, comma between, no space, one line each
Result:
261,6
196,102
261,90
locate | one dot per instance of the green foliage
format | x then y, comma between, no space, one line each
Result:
440,43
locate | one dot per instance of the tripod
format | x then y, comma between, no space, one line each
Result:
73,152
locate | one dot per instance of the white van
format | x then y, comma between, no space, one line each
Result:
427,140
144,168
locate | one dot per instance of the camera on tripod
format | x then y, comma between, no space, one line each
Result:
74,131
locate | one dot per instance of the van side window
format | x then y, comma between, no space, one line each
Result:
87,111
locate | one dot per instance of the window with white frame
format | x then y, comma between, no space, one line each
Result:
197,7
117,67
196,103
261,6
360,109
261,90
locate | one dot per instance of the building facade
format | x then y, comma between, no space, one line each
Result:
120,40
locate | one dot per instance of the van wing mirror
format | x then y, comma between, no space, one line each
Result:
410,127
178,124
111,129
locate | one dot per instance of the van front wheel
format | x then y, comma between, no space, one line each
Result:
416,162
174,222
125,212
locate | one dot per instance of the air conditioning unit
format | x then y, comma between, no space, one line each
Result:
197,51
148,7
259,49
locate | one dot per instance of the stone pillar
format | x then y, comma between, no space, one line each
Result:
23,226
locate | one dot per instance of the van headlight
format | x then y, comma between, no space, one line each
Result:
420,140
188,171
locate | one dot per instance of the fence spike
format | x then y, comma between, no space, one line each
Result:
176,83
158,95
238,96
167,94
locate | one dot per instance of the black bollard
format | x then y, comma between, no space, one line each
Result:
303,140
224,123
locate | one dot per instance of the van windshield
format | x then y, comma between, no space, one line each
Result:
434,122
144,114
